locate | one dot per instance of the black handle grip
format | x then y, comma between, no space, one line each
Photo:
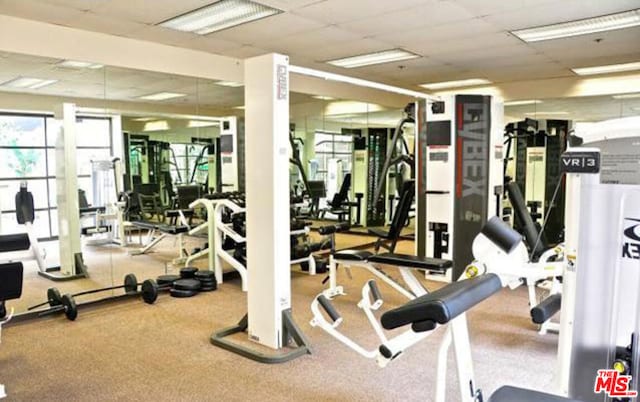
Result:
328,307
338,227
375,292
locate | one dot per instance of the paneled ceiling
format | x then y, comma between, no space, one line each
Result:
456,38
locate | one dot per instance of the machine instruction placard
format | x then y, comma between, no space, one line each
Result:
620,160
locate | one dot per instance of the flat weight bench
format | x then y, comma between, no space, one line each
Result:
164,229
447,305
369,261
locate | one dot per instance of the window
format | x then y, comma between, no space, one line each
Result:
27,149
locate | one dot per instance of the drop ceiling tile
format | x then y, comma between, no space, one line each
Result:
489,7
148,12
341,11
522,73
268,29
475,43
82,5
35,10
306,42
519,53
209,44
429,14
100,23
557,12
426,36
287,5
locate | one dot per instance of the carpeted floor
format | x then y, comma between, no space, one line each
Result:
133,351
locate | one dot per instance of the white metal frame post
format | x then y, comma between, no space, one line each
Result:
268,321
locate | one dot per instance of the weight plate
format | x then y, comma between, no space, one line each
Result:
182,293
204,275
188,272
208,284
208,288
187,284
130,283
167,279
54,297
149,291
70,308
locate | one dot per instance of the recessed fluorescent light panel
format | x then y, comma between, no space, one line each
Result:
547,113
220,15
145,119
322,97
79,64
603,23
627,96
162,96
522,102
239,107
232,84
456,84
386,56
611,68
28,83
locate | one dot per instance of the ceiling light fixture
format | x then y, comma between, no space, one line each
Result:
79,64
232,84
586,26
627,96
522,102
28,83
546,113
239,107
220,15
608,69
162,96
322,97
385,56
144,119
202,123
456,84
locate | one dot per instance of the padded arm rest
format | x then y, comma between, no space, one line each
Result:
172,213
411,261
444,304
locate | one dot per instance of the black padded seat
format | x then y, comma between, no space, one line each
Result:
10,281
144,225
174,213
92,210
172,230
513,394
14,242
378,232
353,255
412,261
442,305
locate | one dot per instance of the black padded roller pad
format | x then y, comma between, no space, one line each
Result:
14,242
546,309
352,255
411,261
501,234
10,281
513,394
25,212
444,304
338,227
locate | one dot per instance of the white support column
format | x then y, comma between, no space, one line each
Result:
67,189
267,195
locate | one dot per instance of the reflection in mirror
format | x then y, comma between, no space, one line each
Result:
111,179
342,146
538,131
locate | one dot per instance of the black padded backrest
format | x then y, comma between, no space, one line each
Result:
147,188
25,211
317,189
401,213
187,194
523,219
82,199
342,195
10,281
442,305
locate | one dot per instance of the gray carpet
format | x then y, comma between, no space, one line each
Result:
133,351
